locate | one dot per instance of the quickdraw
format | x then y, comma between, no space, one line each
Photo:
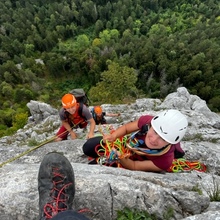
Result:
181,165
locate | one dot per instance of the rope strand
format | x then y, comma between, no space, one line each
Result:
34,148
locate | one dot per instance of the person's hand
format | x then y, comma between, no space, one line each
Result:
109,137
73,135
90,135
119,114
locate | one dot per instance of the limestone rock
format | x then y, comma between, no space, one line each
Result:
105,190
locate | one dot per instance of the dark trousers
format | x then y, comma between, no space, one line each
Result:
91,145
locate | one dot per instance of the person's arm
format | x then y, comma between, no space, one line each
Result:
146,165
92,128
69,129
89,118
121,131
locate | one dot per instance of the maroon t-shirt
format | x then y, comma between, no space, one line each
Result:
163,161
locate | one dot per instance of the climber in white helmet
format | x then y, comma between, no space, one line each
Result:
154,141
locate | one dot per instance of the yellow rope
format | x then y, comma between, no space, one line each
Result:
34,148
26,152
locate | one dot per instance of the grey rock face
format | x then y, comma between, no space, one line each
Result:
105,190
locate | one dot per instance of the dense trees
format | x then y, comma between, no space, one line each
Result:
162,44
117,84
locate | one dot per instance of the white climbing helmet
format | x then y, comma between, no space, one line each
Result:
171,125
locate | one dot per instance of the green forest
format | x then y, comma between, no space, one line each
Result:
117,51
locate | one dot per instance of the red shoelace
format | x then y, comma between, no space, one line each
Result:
59,198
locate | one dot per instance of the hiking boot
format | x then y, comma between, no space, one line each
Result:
56,185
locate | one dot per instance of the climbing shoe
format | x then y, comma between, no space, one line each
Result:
56,185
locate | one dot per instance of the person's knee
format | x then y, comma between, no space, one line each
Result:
89,146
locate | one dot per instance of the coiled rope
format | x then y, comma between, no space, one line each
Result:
181,165
107,152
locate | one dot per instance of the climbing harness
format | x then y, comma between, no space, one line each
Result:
181,165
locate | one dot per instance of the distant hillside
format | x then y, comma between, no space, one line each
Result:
116,50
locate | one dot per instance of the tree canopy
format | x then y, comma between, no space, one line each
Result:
155,45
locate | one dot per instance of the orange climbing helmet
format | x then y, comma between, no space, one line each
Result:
98,110
68,101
